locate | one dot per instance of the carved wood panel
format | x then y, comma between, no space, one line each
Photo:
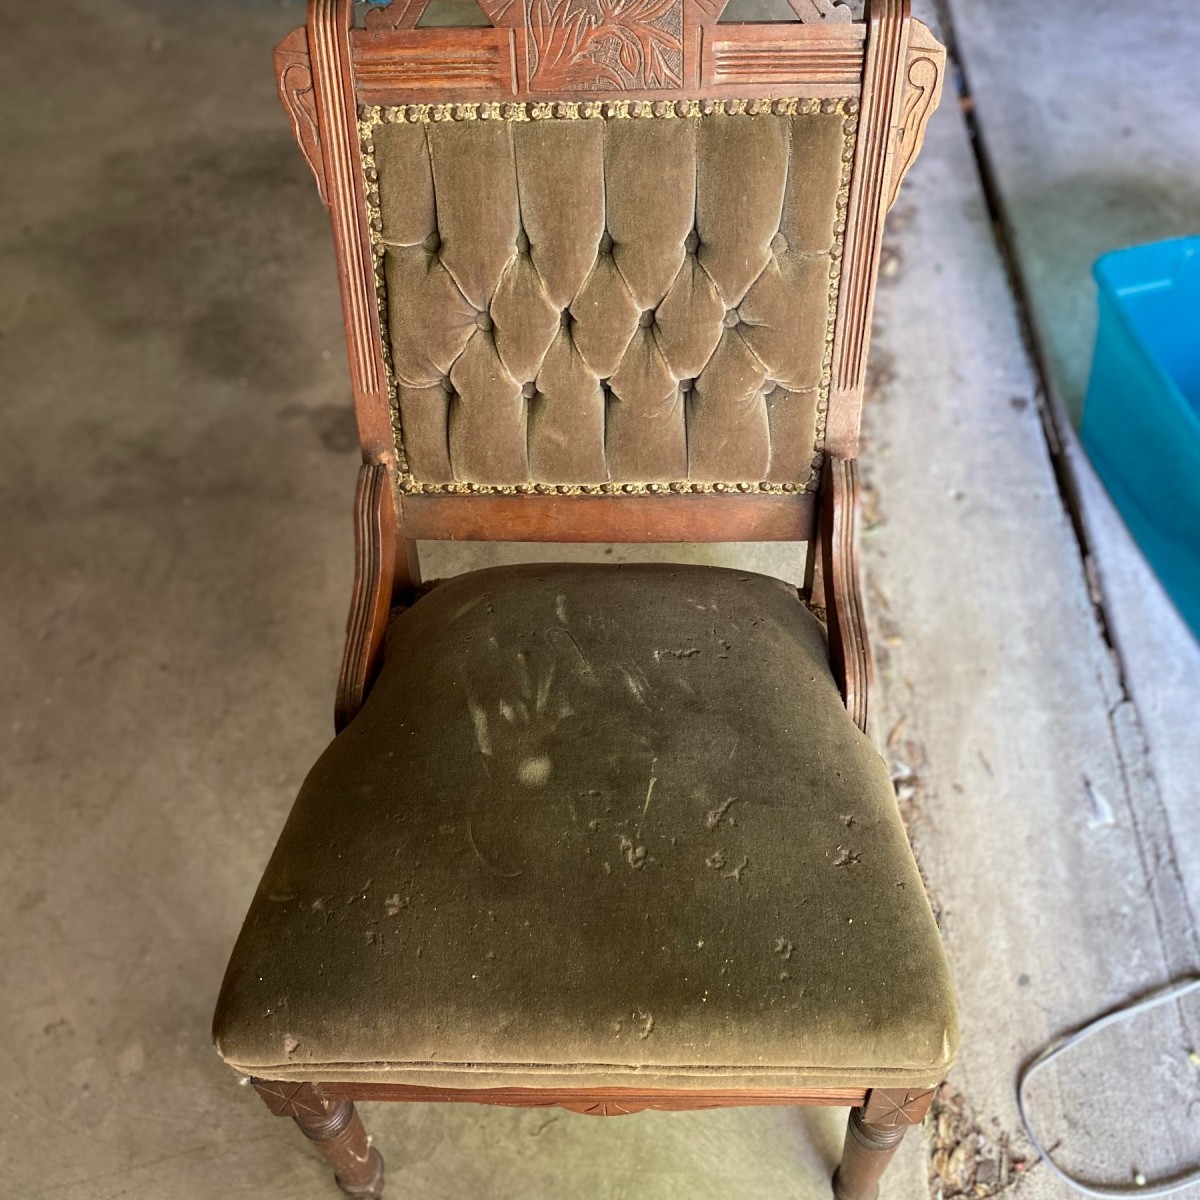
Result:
749,56
604,45
572,49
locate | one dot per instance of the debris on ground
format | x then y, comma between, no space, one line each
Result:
964,1159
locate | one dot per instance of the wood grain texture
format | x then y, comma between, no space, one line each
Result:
849,650
329,51
375,538
810,61
600,1101
395,66
707,518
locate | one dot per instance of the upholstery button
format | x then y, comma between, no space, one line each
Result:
433,243
732,318
529,390
483,321
779,243
646,319
523,242
686,385
606,243
692,242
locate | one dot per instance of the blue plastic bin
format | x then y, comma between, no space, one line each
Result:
1141,418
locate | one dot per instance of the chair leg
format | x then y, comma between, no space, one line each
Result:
336,1130
873,1134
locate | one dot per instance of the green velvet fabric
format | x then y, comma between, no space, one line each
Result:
595,825
631,300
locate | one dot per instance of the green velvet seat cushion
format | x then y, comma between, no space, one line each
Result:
595,825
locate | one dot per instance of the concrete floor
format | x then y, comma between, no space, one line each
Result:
1081,167
176,469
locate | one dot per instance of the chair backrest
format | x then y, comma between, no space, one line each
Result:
608,266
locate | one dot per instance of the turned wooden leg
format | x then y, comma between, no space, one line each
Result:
872,1135
334,1128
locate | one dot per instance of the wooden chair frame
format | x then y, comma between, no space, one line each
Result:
890,69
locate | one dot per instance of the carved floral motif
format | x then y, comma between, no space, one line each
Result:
617,45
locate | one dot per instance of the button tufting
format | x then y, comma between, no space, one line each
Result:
692,242
529,390
646,319
606,243
433,243
779,243
483,321
732,318
523,242
686,385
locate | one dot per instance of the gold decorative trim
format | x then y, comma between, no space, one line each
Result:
371,116
416,486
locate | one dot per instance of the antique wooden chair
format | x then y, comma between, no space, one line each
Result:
607,837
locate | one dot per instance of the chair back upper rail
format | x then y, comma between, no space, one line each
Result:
888,72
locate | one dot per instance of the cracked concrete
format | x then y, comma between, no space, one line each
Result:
177,467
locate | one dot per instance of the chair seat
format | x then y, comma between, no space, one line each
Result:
596,825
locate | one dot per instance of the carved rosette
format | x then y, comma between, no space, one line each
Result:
300,1101
890,1108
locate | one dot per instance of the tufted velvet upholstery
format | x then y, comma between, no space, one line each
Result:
593,300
